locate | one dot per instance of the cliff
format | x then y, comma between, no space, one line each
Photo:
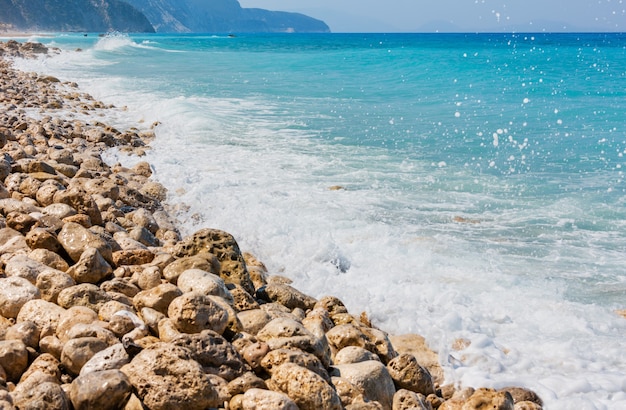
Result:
77,15
222,16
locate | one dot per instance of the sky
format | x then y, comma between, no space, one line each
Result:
458,15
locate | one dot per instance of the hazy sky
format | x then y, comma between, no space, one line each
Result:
458,15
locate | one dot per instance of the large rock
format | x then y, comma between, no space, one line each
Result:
81,201
222,245
111,358
287,296
77,352
90,268
306,388
214,353
13,358
408,400
416,345
44,314
260,399
40,395
157,298
197,280
51,282
75,238
195,312
166,377
204,261
105,390
25,267
14,293
371,377
408,374
85,294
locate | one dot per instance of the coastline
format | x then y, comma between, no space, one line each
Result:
145,312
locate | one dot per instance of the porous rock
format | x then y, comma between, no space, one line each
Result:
287,296
225,247
216,355
206,283
260,399
90,268
165,377
371,377
306,388
84,294
45,315
77,352
408,374
75,238
157,298
13,358
194,312
51,282
409,400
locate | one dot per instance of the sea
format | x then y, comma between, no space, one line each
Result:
466,187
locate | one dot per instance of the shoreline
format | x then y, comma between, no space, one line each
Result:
133,286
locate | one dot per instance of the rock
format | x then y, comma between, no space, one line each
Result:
354,354
489,399
85,294
81,201
44,314
51,282
214,353
50,259
120,285
408,374
112,358
286,333
306,388
206,283
345,335
416,345
222,245
371,377
194,312
12,243
71,317
14,293
165,377
24,267
106,389
27,332
40,238
13,205
259,399
254,353
205,261
409,400
132,257
77,352
520,394
13,358
21,222
245,382
157,298
253,320
242,300
286,296
60,211
347,392
76,238
90,268
278,357
45,396
93,330
44,364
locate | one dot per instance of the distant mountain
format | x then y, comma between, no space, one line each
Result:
222,16
72,15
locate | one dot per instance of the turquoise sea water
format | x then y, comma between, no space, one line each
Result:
484,181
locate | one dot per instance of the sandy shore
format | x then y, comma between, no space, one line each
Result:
104,305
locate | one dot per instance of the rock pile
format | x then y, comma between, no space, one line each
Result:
104,306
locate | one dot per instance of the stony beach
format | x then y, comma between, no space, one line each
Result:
103,305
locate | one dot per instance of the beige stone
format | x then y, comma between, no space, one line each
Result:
484,398
51,282
206,283
27,332
157,298
371,377
77,352
409,400
120,285
306,388
165,377
416,345
348,335
84,294
112,358
253,320
106,390
13,358
260,399
408,374
348,392
245,382
225,248
95,329
76,238
51,345
12,243
45,395
286,296
81,201
24,267
40,238
194,312
205,261
285,333
242,300
60,211
520,394
277,357
15,292
354,354
90,268
50,259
